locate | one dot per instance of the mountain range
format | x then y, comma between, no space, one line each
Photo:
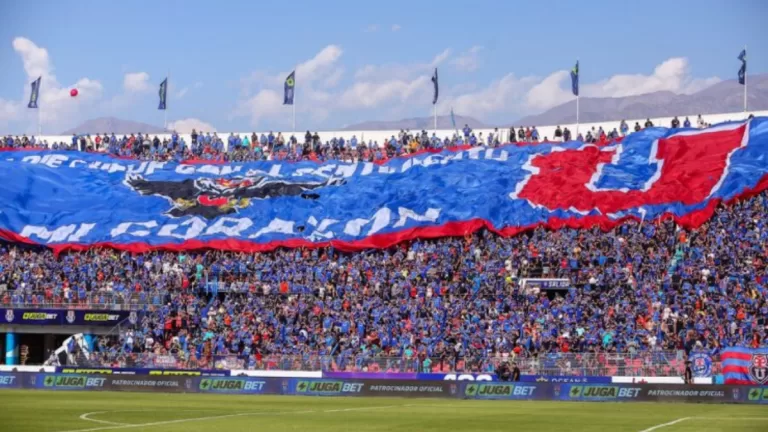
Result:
418,123
112,124
723,97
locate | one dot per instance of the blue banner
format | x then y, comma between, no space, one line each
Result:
701,364
80,200
10,380
66,317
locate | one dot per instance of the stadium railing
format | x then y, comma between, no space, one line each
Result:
93,301
648,364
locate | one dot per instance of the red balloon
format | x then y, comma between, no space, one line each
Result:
73,92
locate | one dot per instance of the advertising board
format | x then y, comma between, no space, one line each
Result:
141,371
62,317
476,390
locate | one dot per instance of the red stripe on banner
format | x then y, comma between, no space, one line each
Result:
731,355
738,382
736,369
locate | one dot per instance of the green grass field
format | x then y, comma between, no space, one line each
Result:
42,411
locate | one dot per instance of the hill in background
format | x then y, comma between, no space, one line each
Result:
723,97
112,124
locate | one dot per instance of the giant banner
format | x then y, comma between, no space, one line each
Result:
70,199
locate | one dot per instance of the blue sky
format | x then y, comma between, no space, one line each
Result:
498,60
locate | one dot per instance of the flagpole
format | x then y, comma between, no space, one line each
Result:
435,113
577,115
293,132
165,111
745,84
39,110
578,77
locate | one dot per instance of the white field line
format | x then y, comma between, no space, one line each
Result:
733,418
659,426
653,428
194,419
86,417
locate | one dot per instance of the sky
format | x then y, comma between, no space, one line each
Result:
356,61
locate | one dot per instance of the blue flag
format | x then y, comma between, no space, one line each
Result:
453,119
35,93
163,93
743,68
434,81
575,79
290,83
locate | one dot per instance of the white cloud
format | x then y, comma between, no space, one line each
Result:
525,95
313,78
319,90
440,58
373,86
501,95
9,111
186,125
136,82
181,93
319,65
671,75
57,107
397,89
549,92
372,94
468,61
333,79
396,27
373,28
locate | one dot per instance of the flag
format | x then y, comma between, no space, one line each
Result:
434,81
35,93
290,83
575,79
453,119
745,366
743,68
163,93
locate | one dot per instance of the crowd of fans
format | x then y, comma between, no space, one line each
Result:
210,146
640,288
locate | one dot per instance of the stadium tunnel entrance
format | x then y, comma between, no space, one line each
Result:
34,345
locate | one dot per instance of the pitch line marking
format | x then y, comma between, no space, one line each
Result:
86,417
659,426
168,422
733,418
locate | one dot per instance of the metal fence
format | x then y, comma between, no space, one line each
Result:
655,363
93,301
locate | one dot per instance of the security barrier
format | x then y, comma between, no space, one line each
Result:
479,390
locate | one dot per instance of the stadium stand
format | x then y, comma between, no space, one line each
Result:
641,297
